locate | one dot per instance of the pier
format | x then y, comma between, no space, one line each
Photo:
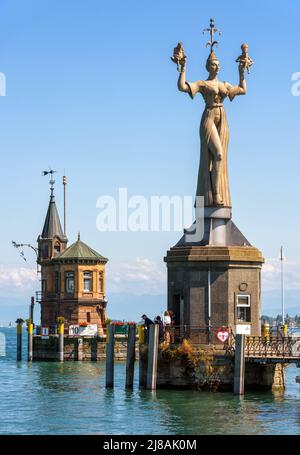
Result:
239,363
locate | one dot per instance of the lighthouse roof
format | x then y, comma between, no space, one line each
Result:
52,227
80,251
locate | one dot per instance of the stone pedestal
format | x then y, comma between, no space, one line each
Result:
206,280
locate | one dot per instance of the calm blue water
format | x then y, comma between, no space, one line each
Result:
50,398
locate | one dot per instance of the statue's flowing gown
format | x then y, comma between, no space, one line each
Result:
214,113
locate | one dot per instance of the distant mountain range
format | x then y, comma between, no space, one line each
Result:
131,307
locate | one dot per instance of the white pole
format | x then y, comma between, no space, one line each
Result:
282,286
65,204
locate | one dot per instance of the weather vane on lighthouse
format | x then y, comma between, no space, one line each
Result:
51,181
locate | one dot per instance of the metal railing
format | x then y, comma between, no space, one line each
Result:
195,334
268,347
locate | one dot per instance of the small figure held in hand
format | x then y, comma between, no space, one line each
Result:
244,60
178,56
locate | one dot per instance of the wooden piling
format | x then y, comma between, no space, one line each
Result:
30,341
110,347
61,331
239,365
19,338
130,358
142,363
152,356
79,349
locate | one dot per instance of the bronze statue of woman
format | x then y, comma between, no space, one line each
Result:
213,182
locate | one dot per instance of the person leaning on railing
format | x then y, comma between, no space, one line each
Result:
147,323
167,325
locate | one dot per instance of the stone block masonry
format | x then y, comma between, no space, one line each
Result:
210,370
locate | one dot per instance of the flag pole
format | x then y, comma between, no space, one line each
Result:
65,204
282,286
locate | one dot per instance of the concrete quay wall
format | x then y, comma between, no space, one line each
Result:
212,372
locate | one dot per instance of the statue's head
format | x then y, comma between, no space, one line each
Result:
212,64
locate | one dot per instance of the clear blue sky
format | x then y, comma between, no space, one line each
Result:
91,89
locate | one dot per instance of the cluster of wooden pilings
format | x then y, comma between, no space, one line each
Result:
61,330
152,343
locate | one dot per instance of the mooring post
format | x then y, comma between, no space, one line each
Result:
61,331
79,349
30,340
19,338
110,357
130,358
142,364
239,365
152,356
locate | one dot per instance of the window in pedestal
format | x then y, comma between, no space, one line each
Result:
88,317
69,282
87,281
243,308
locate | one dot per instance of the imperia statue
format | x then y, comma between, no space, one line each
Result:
214,132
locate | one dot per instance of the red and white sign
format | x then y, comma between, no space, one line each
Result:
222,335
45,333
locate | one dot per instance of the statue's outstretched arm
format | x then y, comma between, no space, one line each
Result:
240,89
192,88
181,84
242,84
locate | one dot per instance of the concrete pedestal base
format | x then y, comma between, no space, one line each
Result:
206,279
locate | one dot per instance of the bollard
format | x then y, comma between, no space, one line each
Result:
79,349
61,331
152,356
265,330
30,341
141,334
110,347
19,338
239,365
130,358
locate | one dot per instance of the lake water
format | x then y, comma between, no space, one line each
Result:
70,398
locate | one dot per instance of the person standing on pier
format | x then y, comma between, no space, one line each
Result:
147,323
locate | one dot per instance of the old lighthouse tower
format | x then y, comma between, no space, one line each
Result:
72,277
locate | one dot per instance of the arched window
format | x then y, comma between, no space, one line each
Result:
46,250
56,248
87,281
69,282
100,282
